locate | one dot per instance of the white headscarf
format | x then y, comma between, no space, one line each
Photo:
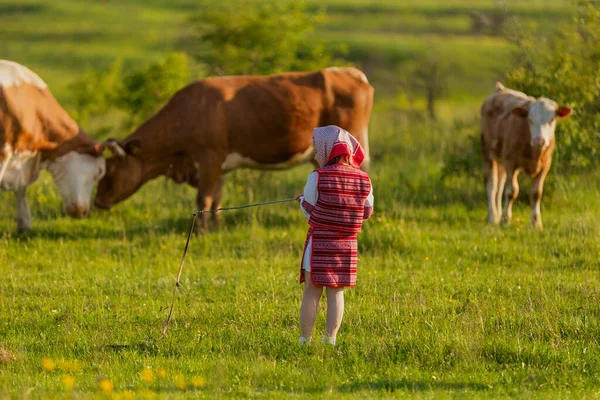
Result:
332,141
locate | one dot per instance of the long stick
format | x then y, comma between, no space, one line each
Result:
187,243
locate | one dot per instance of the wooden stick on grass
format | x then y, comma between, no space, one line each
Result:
187,243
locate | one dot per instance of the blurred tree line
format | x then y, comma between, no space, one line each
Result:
234,37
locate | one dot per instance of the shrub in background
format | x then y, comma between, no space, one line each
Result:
135,94
93,93
566,68
143,91
240,37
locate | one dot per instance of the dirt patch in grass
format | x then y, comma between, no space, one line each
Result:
5,355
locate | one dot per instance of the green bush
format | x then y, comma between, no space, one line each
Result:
241,37
94,92
566,68
143,91
136,93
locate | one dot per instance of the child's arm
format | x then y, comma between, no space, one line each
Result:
311,194
369,205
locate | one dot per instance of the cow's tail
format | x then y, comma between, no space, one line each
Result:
368,108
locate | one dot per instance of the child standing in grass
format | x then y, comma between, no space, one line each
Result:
337,198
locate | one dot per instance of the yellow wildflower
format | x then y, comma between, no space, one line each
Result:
180,382
106,386
68,382
198,382
147,375
48,364
162,372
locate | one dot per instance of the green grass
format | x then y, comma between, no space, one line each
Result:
445,307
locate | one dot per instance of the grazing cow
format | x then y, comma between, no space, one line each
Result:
215,125
36,132
517,134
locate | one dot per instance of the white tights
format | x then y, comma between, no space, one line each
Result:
310,305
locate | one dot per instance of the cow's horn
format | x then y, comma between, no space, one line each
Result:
114,146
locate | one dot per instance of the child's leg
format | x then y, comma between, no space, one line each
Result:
310,304
335,311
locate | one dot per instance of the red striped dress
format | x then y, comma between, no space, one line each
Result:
335,220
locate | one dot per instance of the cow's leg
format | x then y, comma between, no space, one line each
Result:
216,203
500,191
23,213
491,184
511,191
205,200
537,188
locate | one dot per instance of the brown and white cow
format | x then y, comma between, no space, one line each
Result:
36,132
217,124
517,135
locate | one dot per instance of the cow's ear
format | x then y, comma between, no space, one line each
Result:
521,111
563,112
133,147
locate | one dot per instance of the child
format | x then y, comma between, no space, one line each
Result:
337,198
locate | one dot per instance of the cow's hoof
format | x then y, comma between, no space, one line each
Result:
23,227
493,221
536,222
537,225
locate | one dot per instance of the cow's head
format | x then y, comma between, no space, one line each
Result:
541,116
123,174
76,173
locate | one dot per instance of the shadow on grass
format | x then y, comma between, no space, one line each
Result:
409,385
141,227
93,229
16,8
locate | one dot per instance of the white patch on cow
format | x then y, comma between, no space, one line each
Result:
542,121
236,160
536,208
75,174
359,74
19,169
12,73
6,156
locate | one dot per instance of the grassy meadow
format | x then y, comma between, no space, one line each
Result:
445,307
